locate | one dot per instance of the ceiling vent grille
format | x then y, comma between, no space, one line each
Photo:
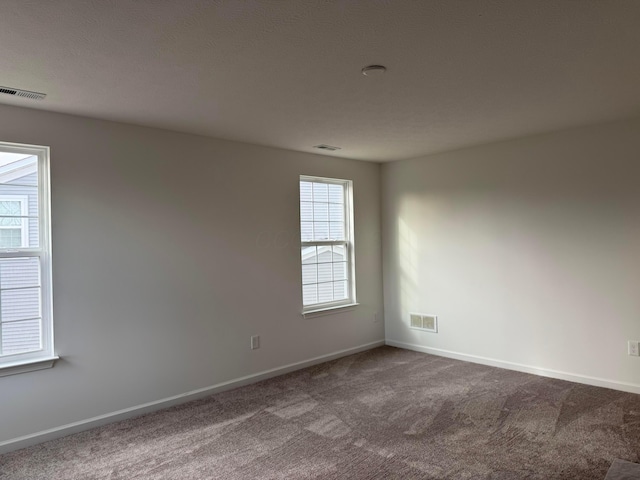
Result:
16,92
322,146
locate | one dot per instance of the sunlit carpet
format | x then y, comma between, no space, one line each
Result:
386,413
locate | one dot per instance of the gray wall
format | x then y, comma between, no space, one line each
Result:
169,252
528,250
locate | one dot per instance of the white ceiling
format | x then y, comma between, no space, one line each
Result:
286,73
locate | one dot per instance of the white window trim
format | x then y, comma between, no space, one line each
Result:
25,366
24,211
45,357
321,312
327,308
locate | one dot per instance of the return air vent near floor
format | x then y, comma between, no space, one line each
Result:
16,92
420,321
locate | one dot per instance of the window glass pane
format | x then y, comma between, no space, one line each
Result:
19,272
325,292
320,212
339,253
340,271
10,237
306,231
18,168
320,192
325,272
306,192
309,255
309,274
8,209
32,233
20,337
336,231
336,213
336,193
19,304
309,294
19,204
306,212
324,254
19,186
340,290
321,231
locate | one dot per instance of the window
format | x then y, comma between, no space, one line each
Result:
326,233
14,226
26,328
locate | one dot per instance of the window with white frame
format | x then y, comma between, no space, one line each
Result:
26,326
14,224
326,234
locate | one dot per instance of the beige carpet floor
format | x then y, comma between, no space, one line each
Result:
383,414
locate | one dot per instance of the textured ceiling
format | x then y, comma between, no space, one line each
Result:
286,73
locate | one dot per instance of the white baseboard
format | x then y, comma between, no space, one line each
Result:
544,372
75,427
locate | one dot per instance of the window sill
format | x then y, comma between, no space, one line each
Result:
25,366
329,310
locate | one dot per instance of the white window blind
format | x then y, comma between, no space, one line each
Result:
326,242
26,331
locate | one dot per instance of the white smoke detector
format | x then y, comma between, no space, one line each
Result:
374,70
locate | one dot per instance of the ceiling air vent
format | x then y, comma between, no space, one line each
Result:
16,92
322,146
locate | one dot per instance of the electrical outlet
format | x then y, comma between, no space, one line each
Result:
255,342
376,317
634,349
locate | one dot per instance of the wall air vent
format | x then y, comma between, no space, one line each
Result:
16,92
322,146
416,320
420,321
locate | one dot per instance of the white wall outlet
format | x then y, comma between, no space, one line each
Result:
634,348
255,342
376,317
